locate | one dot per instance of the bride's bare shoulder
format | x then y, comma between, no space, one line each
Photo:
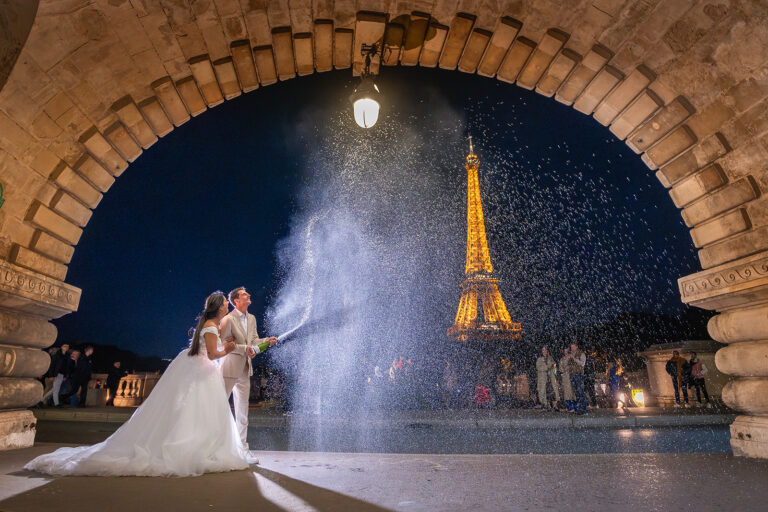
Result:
211,323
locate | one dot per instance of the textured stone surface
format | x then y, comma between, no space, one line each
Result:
748,395
22,361
749,436
17,429
19,393
24,330
746,359
740,325
26,291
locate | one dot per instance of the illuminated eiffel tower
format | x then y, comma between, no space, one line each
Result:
480,290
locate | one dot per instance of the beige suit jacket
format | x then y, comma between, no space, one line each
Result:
237,364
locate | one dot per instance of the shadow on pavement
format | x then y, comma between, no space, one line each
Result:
235,491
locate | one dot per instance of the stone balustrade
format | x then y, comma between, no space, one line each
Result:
135,388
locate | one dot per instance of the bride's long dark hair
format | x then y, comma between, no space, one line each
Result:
212,305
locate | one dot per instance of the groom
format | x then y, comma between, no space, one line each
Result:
236,366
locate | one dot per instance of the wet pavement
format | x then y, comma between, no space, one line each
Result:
436,440
294,481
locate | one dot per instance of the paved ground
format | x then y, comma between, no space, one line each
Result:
297,481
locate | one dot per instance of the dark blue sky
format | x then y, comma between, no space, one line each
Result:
577,224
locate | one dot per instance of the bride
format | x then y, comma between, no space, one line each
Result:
184,428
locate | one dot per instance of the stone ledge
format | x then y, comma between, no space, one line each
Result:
749,436
17,429
728,286
30,292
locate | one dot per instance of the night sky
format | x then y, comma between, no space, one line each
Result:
579,228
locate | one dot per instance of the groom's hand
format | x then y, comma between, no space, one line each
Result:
250,352
272,341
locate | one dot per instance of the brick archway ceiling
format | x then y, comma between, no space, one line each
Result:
683,82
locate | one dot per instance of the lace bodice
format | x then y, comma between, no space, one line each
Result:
213,330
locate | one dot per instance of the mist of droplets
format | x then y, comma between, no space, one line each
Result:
383,218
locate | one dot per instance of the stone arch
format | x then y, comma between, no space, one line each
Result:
685,84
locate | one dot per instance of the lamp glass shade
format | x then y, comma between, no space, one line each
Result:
365,103
366,112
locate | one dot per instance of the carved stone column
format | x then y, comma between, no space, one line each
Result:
739,291
27,302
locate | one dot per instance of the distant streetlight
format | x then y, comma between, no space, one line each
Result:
365,99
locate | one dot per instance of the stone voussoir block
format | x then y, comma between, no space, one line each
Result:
474,50
75,184
264,60
730,223
134,121
517,56
172,103
103,151
502,38
37,262
342,48
731,196
189,92
697,185
282,45
597,57
458,34
672,145
243,62
394,36
414,38
52,247
433,46
558,71
204,75
156,117
69,207
227,78
638,111
549,46
735,247
623,94
323,44
706,152
46,219
304,52
121,140
92,171
600,86
663,122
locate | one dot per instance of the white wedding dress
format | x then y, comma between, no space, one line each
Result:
184,428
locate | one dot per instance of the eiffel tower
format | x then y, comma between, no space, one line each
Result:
480,288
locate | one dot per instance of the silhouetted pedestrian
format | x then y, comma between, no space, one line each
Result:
677,367
81,375
698,374
576,361
116,373
59,363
